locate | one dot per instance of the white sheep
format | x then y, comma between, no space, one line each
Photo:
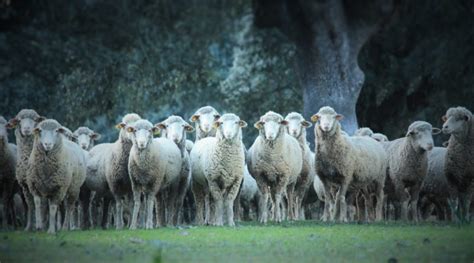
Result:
57,172
296,127
204,118
154,164
218,163
24,123
8,155
249,194
459,169
434,190
380,137
344,161
364,131
175,128
275,161
408,165
116,167
86,137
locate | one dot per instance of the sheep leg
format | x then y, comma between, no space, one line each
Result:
150,199
263,204
29,207
414,195
6,205
379,195
38,214
341,205
465,203
118,213
105,212
292,215
217,203
230,199
136,208
53,209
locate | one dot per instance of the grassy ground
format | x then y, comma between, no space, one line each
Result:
288,242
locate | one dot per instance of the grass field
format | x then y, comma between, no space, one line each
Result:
288,242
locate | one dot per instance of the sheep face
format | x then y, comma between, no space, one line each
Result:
271,125
27,119
456,121
49,134
296,124
205,118
364,132
229,126
141,133
327,118
175,128
379,137
85,137
420,135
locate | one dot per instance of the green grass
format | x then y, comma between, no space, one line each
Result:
288,242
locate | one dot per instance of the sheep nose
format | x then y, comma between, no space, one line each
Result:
429,146
83,146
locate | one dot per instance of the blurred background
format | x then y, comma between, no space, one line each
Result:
89,62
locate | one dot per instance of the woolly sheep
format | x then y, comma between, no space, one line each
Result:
364,131
218,163
116,167
175,129
434,189
86,137
275,161
408,165
57,171
8,155
153,165
347,161
459,169
248,194
204,118
24,123
296,127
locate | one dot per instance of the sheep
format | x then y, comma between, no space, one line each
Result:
345,162
57,171
116,167
175,129
296,127
204,118
408,165
379,137
189,145
8,158
24,123
217,164
154,164
433,189
248,194
86,137
459,167
275,160
364,131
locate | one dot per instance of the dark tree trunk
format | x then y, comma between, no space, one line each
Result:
329,35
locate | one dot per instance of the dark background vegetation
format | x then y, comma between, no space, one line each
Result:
88,62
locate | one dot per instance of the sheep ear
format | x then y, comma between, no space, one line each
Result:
12,123
95,136
216,124
409,133
467,118
36,130
315,117
160,126
61,130
284,122
306,124
216,117
188,128
155,129
242,124
339,117
130,129
258,125
445,144
435,131
444,118
40,119
194,118
120,125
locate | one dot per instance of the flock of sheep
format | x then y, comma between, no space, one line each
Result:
57,176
